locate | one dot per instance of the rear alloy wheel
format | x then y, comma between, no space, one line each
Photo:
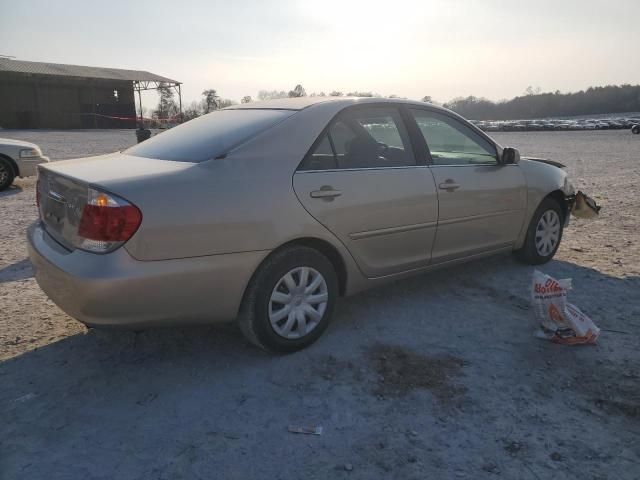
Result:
544,234
298,302
290,300
6,174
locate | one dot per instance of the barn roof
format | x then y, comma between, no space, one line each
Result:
62,70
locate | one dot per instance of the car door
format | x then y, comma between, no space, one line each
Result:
481,202
361,181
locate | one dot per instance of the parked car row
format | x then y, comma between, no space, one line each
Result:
556,124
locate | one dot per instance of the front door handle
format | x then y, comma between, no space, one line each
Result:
327,192
449,185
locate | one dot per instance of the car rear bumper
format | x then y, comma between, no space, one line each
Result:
29,166
116,290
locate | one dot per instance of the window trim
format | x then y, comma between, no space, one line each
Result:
405,119
423,141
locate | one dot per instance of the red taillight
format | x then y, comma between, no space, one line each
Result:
109,224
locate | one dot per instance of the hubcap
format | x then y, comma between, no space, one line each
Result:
547,233
298,302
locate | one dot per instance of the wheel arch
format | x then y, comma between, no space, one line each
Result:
322,246
12,162
557,195
560,197
329,251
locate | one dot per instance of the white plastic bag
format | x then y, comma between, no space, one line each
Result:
560,321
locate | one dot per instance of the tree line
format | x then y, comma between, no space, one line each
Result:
168,108
533,104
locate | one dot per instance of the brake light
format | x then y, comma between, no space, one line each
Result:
107,222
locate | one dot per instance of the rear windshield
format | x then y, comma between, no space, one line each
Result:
208,136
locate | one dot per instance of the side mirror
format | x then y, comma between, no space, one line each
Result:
509,156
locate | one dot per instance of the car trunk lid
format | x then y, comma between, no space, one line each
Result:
63,188
61,201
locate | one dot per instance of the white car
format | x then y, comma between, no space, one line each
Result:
18,159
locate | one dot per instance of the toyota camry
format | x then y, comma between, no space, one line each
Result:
265,213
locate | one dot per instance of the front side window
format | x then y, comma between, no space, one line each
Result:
372,137
451,142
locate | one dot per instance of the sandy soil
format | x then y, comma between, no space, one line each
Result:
438,376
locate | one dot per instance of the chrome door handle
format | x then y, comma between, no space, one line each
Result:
325,192
449,185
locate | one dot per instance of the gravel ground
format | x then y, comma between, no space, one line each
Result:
438,376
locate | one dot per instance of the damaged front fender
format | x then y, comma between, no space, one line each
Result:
544,178
548,162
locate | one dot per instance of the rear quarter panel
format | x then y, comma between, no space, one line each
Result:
227,206
244,202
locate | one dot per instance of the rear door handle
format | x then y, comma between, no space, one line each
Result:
449,185
326,192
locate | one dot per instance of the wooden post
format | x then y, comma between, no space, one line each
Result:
180,102
140,102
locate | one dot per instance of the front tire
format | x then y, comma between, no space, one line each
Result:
6,174
290,300
635,129
544,234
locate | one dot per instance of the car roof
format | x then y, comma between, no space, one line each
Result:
300,103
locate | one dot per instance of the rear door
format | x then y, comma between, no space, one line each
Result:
361,181
481,202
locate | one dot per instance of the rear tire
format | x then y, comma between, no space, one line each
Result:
6,174
544,233
290,300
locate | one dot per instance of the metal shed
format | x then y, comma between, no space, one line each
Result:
51,95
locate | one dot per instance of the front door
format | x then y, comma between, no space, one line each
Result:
361,181
481,202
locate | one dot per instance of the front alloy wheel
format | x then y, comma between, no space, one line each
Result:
547,233
544,233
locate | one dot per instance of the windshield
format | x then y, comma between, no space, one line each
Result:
208,136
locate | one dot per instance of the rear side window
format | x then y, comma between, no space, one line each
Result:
208,136
373,137
322,157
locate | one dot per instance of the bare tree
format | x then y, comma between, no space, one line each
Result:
225,102
362,94
427,99
167,105
271,94
335,93
246,99
298,91
532,91
211,99
191,111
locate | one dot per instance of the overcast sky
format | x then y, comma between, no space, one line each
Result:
442,48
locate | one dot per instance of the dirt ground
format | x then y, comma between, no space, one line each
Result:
437,377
